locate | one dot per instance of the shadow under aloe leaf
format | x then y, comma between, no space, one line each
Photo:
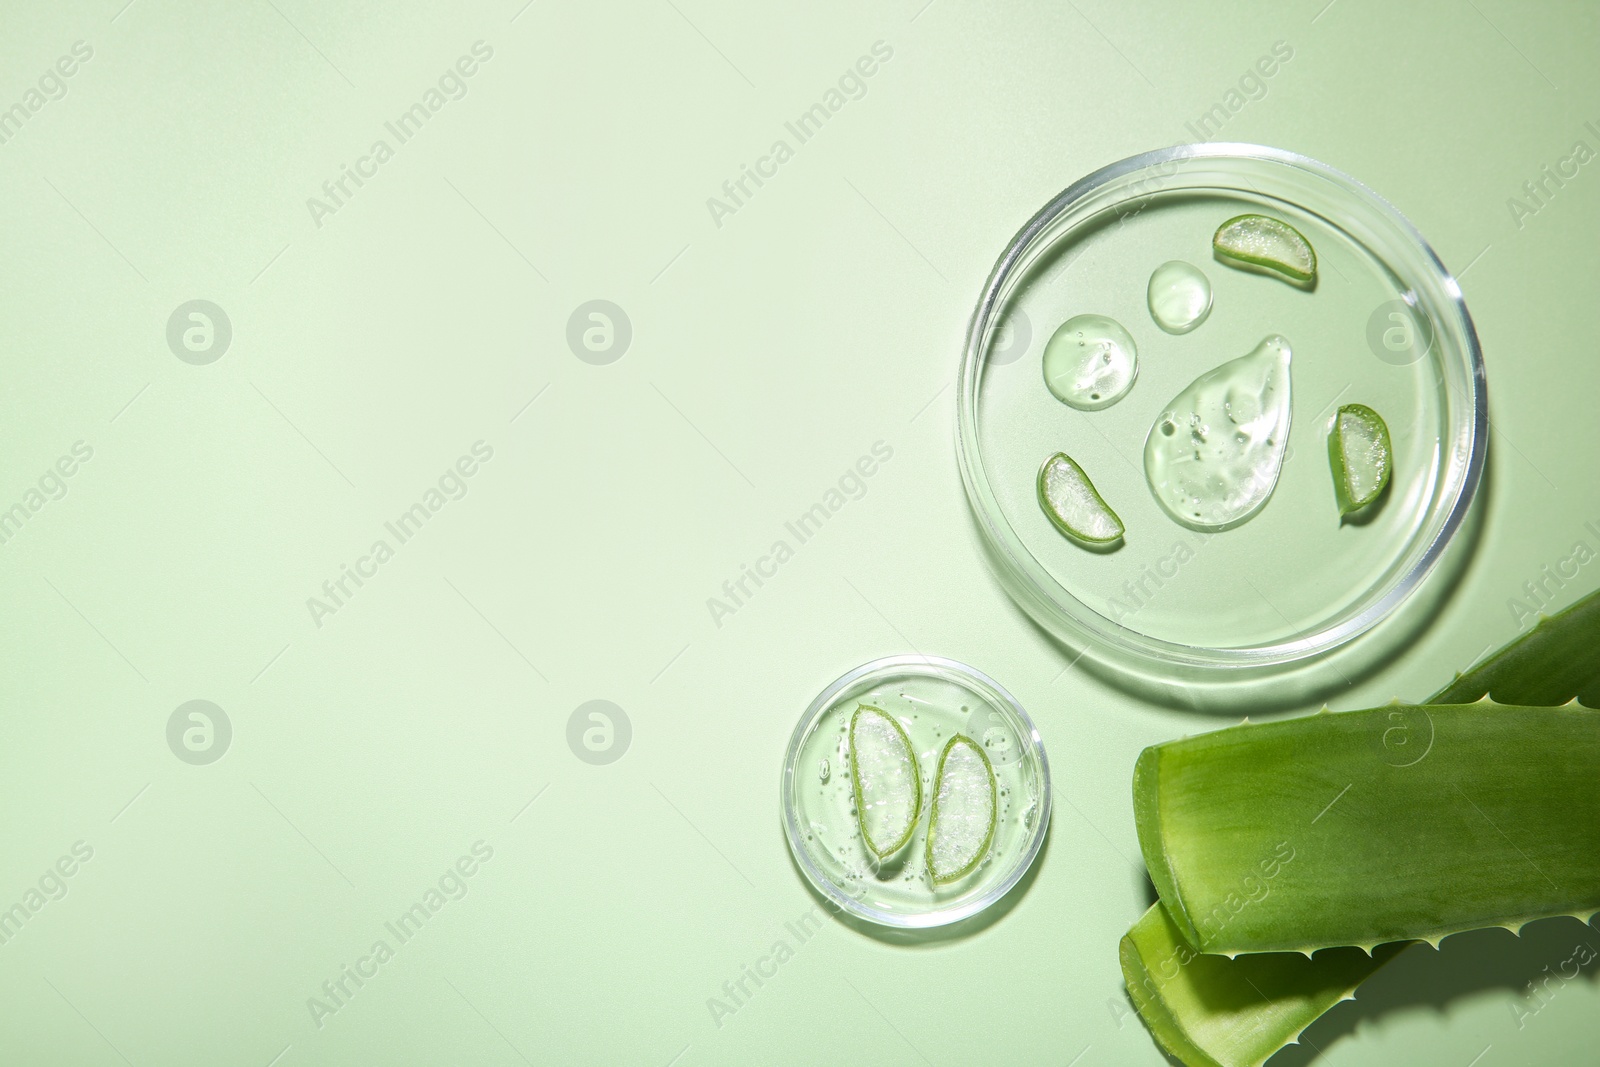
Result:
936,935
893,865
1493,961
1148,888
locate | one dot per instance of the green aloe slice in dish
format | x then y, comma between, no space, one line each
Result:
1360,453
1274,245
887,781
1070,499
961,826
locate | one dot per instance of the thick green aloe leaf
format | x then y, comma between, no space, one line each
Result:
1322,831
1200,1015
1210,1011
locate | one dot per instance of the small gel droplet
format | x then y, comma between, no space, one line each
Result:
1090,376
1180,296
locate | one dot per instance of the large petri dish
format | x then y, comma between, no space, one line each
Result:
1385,326
932,699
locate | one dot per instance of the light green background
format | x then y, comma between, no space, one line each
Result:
768,354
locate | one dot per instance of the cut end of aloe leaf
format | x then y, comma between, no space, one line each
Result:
886,779
1151,945
1071,501
1361,456
961,827
1268,243
1147,800
1210,1011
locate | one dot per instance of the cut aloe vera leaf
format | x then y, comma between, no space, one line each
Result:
1268,243
1070,499
1392,823
886,779
1203,1015
1210,1011
961,827
1360,455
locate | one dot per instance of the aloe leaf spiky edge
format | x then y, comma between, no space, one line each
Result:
1548,666
855,782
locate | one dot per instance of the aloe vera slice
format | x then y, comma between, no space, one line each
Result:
961,826
1202,1011
1360,454
1260,241
1490,818
1210,1011
886,779
1070,499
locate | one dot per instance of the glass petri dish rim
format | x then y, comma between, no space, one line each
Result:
824,700
1062,613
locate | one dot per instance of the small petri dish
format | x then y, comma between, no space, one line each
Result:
1384,325
932,699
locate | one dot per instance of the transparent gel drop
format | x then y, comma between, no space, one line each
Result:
1180,296
1090,362
1214,453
